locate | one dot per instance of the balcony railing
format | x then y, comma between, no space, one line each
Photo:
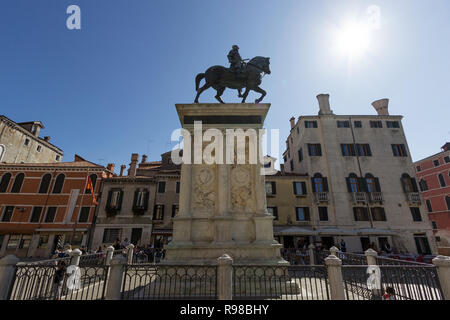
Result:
359,197
321,196
376,196
413,198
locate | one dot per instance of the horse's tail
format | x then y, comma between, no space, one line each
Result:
198,78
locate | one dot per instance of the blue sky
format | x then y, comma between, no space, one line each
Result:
109,89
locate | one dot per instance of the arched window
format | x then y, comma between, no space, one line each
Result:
441,180
447,200
93,178
409,184
373,184
423,185
429,207
352,183
2,151
319,183
59,182
45,183
18,181
5,182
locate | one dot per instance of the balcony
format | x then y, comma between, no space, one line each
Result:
359,197
376,197
321,197
413,198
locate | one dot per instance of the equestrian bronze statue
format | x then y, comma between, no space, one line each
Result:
248,76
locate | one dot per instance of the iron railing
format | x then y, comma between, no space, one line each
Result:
148,256
352,258
376,196
321,196
396,262
413,197
296,256
280,282
149,281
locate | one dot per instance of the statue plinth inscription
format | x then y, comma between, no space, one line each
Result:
222,206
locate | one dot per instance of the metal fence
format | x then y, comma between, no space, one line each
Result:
280,283
396,262
148,256
407,282
41,282
149,281
352,258
296,256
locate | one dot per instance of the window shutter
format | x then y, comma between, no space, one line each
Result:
154,212
315,124
295,189
349,187
342,149
383,214
419,247
355,214
120,200
313,185
319,149
414,185
369,152
403,184
377,185
108,201
325,184
304,187
306,211
274,187
162,212
352,150
362,184
135,198
394,150
402,146
146,195
275,212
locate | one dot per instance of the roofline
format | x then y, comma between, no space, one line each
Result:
429,157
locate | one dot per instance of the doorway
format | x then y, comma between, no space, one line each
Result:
365,243
327,242
288,242
136,234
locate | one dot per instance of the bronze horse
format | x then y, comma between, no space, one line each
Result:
221,78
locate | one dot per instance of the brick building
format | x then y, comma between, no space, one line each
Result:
20,143
45,205
433,174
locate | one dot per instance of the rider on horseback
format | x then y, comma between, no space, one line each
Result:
236,63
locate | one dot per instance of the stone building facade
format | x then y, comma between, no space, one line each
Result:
361,172
46,205
20,143
433,174
139,207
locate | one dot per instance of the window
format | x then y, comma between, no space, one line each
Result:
175,209
43,241
273,211
392,124
364,150
353,183
5,182
323,213
57,157
376,124
158,213
38,149
447,200
300,155
441,180
36,214
446,159
51,213
423,185
343,124
314,149
302,213
310,124
358,124
409,184
84,214
140,202
348,150
13,241
27,142
434,225
373,184
7,213
361,214
429,207
18,181
2,151
93,178
25,241
299,188
110,235
114,201
423,247
399,150
319,183
45,183
267,165
418,169
271,187
161,186
291,163
378,214
59,183
436,163
177,187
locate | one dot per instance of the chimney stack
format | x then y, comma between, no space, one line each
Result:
122,169
133,165
110,167
324,104
292,120
47,138
144,158
381,106
446,147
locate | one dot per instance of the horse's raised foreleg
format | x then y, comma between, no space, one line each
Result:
219,94
247,90
263,93
200,90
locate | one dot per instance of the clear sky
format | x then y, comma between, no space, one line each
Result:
109,89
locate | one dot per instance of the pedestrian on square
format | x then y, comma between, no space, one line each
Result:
58,279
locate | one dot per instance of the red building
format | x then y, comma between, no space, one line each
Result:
45,205
433,174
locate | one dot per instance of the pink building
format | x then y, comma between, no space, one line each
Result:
433,174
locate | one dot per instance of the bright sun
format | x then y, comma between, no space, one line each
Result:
353,39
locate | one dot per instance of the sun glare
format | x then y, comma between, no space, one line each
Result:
353,39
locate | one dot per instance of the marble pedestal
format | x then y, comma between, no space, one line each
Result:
222,207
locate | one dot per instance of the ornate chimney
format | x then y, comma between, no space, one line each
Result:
133,165
110,167
324,104
122,169
144,158
381,106
292,120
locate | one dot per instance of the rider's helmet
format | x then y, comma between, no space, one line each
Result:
235,47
